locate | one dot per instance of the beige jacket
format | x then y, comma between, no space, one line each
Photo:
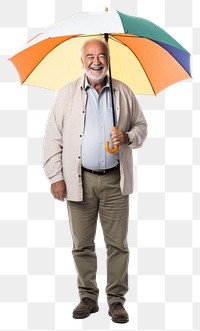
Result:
64,134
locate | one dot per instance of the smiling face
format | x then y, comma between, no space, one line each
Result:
95,60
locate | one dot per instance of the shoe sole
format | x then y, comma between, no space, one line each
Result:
118,320
81,316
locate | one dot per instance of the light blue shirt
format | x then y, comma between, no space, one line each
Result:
98,126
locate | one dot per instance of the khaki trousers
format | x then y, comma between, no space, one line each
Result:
102,196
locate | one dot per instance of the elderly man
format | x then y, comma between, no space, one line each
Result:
93,181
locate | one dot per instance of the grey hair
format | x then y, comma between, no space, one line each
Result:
95,40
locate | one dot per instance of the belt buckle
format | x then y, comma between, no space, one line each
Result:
99,172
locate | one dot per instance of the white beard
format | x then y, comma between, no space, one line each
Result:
94,77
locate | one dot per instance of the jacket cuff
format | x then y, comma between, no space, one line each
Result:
130,138
56,178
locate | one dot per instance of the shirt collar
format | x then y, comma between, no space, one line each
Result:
86,84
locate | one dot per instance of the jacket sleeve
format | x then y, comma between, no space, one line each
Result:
138,125
53,140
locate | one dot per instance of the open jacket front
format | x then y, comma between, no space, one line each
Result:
65,129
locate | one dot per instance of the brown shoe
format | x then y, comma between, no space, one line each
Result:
85,308
118,313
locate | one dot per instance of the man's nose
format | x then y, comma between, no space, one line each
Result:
96,60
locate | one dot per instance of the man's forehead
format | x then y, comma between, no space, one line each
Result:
95,48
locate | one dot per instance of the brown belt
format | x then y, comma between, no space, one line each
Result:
101,172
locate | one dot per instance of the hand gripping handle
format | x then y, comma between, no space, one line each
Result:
116,147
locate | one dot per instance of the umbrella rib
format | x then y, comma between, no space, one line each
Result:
73,37
41,60
120,42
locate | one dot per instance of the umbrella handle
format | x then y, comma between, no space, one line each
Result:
109,150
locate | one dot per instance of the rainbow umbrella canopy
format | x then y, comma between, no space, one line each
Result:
143,55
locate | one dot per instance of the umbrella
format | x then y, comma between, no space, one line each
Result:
143,55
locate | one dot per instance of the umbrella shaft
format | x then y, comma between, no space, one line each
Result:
111,87
112,97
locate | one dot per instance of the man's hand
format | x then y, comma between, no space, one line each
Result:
119,137
58,190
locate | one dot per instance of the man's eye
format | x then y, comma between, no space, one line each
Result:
90,57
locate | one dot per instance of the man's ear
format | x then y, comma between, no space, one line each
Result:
82,62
